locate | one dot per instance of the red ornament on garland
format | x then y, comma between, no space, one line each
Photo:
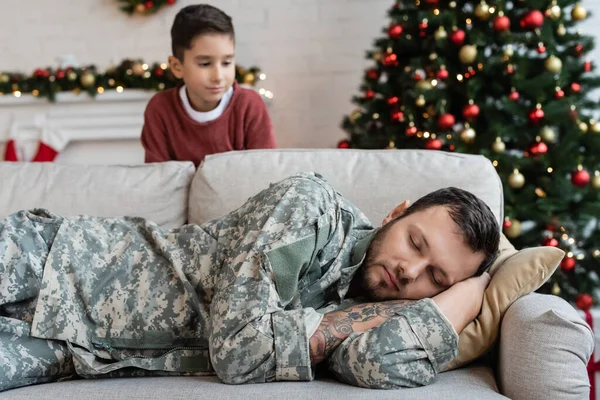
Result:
506,224
411,130
395,31
501,23
575,87
149,5
442,74
580,177
541,49
446,121
369,94
457,37
392,100
584,301
560,94
551,242
390,59
397,116
471,111
159,72
433,144
568,264
60,74
532,20
171,2
587,66
343,144
535,116
372,73
514,95
537,149
578,50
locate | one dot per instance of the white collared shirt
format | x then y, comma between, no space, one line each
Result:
211,115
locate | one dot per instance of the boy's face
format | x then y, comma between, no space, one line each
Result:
208,69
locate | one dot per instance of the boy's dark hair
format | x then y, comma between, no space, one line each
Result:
195,20
474,218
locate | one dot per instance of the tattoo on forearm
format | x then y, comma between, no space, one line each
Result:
335,327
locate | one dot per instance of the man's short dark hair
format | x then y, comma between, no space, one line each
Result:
472,215
195,20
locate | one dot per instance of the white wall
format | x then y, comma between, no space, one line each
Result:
312,50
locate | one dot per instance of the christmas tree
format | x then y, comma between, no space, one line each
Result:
507,79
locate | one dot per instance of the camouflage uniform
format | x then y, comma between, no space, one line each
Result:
236,296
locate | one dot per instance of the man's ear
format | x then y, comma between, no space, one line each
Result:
176,67
396,212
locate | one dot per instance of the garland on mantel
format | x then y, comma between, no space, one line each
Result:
143,6
130,74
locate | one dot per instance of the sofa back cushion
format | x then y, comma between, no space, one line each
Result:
158,192
375,180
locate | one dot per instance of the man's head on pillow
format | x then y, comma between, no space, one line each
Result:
445,237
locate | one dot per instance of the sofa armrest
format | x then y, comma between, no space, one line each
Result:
545,346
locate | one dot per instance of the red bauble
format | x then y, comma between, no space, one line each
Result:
171,2
392,100
578,50
442,74
457,37
532,20
158,71
411,131
395,31
541,49
538,149
501,23
60,74
471,111
343,144
372,73
584,301
560,94
397,116
433,144
580,178
536,115
587,66
576,87
550,242
390,59
39,73
568,264
506,224
446,122
149,4
510,69
514,96
369,94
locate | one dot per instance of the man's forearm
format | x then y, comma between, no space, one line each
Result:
336,326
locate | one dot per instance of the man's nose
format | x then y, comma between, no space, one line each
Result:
412,271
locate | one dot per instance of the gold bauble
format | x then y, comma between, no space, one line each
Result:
140,8
468,135
499,146
424,84
547,134
516,180
554,12
578,12
555,289
482,11
420,102
440,33
583,127
596,180
72,76
4,78
377,56
467,54
595,126
509,51
514,231
561,30
553,64
87,79
354,116
249,78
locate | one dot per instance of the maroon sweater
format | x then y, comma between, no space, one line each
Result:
169,133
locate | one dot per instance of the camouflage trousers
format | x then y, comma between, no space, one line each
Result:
25,360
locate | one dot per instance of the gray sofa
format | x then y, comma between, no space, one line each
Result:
544,344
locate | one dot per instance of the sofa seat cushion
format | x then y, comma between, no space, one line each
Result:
473,382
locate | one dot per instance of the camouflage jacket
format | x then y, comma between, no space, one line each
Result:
232,296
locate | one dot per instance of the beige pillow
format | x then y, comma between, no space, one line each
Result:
514,274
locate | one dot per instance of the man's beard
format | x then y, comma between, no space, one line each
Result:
370,285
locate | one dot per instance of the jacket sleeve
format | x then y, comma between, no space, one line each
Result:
154,136
258,132
408,350
254,335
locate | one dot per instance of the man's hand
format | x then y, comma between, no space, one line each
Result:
461,303
336,326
